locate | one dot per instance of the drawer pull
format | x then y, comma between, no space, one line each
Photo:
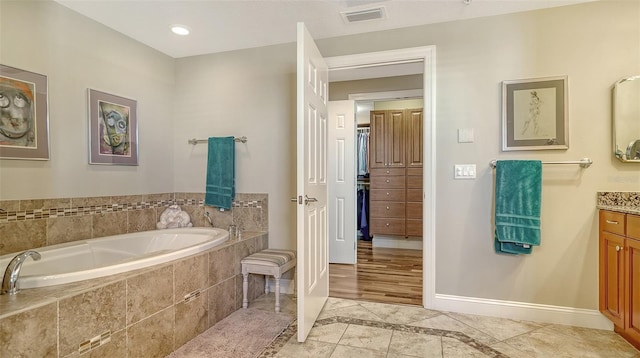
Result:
387,225
618,248
387,181
612,222
388,172
387,208
387,194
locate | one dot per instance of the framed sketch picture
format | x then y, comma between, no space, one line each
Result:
24,115
534,114
113,129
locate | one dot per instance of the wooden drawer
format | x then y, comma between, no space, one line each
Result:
414,195
414,182
414,227
612,222
414,171
414,211
386,172
382,209
387,195
387,226
387,182
633,226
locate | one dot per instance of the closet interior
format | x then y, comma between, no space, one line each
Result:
389,167
363,182
389,142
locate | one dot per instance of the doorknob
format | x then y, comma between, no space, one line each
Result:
308,200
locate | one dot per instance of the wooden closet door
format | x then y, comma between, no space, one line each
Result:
396,139
414,138
377,155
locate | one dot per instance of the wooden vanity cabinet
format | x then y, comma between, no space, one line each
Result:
619,272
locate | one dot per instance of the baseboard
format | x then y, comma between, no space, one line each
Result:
523,311
412,243
286,286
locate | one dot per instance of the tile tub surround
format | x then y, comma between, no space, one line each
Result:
620,201
148,312
29,224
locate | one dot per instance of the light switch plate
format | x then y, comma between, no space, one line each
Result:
465,135
464,171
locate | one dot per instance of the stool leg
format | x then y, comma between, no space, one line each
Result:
277,294
295,277
266,284
245,288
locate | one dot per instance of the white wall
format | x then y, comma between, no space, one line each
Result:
242,93
76,53
252,93
594,44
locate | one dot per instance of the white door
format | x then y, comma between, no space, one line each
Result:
312,265
342,182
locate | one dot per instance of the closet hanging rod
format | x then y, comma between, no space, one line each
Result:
194,141
584,162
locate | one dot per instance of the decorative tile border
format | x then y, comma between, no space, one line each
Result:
56,212
280,341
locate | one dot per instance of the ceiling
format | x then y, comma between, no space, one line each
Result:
226,25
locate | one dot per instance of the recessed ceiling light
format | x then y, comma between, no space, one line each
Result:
180,30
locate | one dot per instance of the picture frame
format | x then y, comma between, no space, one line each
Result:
535,114
113,129
24,114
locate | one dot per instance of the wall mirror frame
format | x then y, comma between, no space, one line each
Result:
626,119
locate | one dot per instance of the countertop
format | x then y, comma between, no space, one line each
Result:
620,209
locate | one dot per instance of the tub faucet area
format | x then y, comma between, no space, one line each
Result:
11,274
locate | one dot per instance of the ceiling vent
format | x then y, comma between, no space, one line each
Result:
364,15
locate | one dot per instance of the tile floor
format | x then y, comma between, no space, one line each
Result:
349,328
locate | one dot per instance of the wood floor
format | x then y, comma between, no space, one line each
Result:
381,275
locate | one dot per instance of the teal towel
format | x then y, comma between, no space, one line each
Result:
220,188
518,197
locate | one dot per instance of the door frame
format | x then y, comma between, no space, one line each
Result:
427,54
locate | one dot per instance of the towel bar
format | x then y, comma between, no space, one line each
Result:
194,141
584,162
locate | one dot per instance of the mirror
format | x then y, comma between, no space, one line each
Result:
626,119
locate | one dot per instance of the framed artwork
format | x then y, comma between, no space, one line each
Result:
24,115
534,114
113,129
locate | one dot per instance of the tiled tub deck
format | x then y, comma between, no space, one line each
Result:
144,313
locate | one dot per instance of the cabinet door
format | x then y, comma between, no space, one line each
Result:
396,139
377,157
612,277
414,138
632,289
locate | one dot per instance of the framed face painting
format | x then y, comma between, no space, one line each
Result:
24,114
534,114
113,129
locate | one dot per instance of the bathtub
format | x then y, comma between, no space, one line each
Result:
87,259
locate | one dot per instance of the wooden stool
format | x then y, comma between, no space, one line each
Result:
267,262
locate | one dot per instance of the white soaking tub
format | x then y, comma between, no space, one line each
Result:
87,259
